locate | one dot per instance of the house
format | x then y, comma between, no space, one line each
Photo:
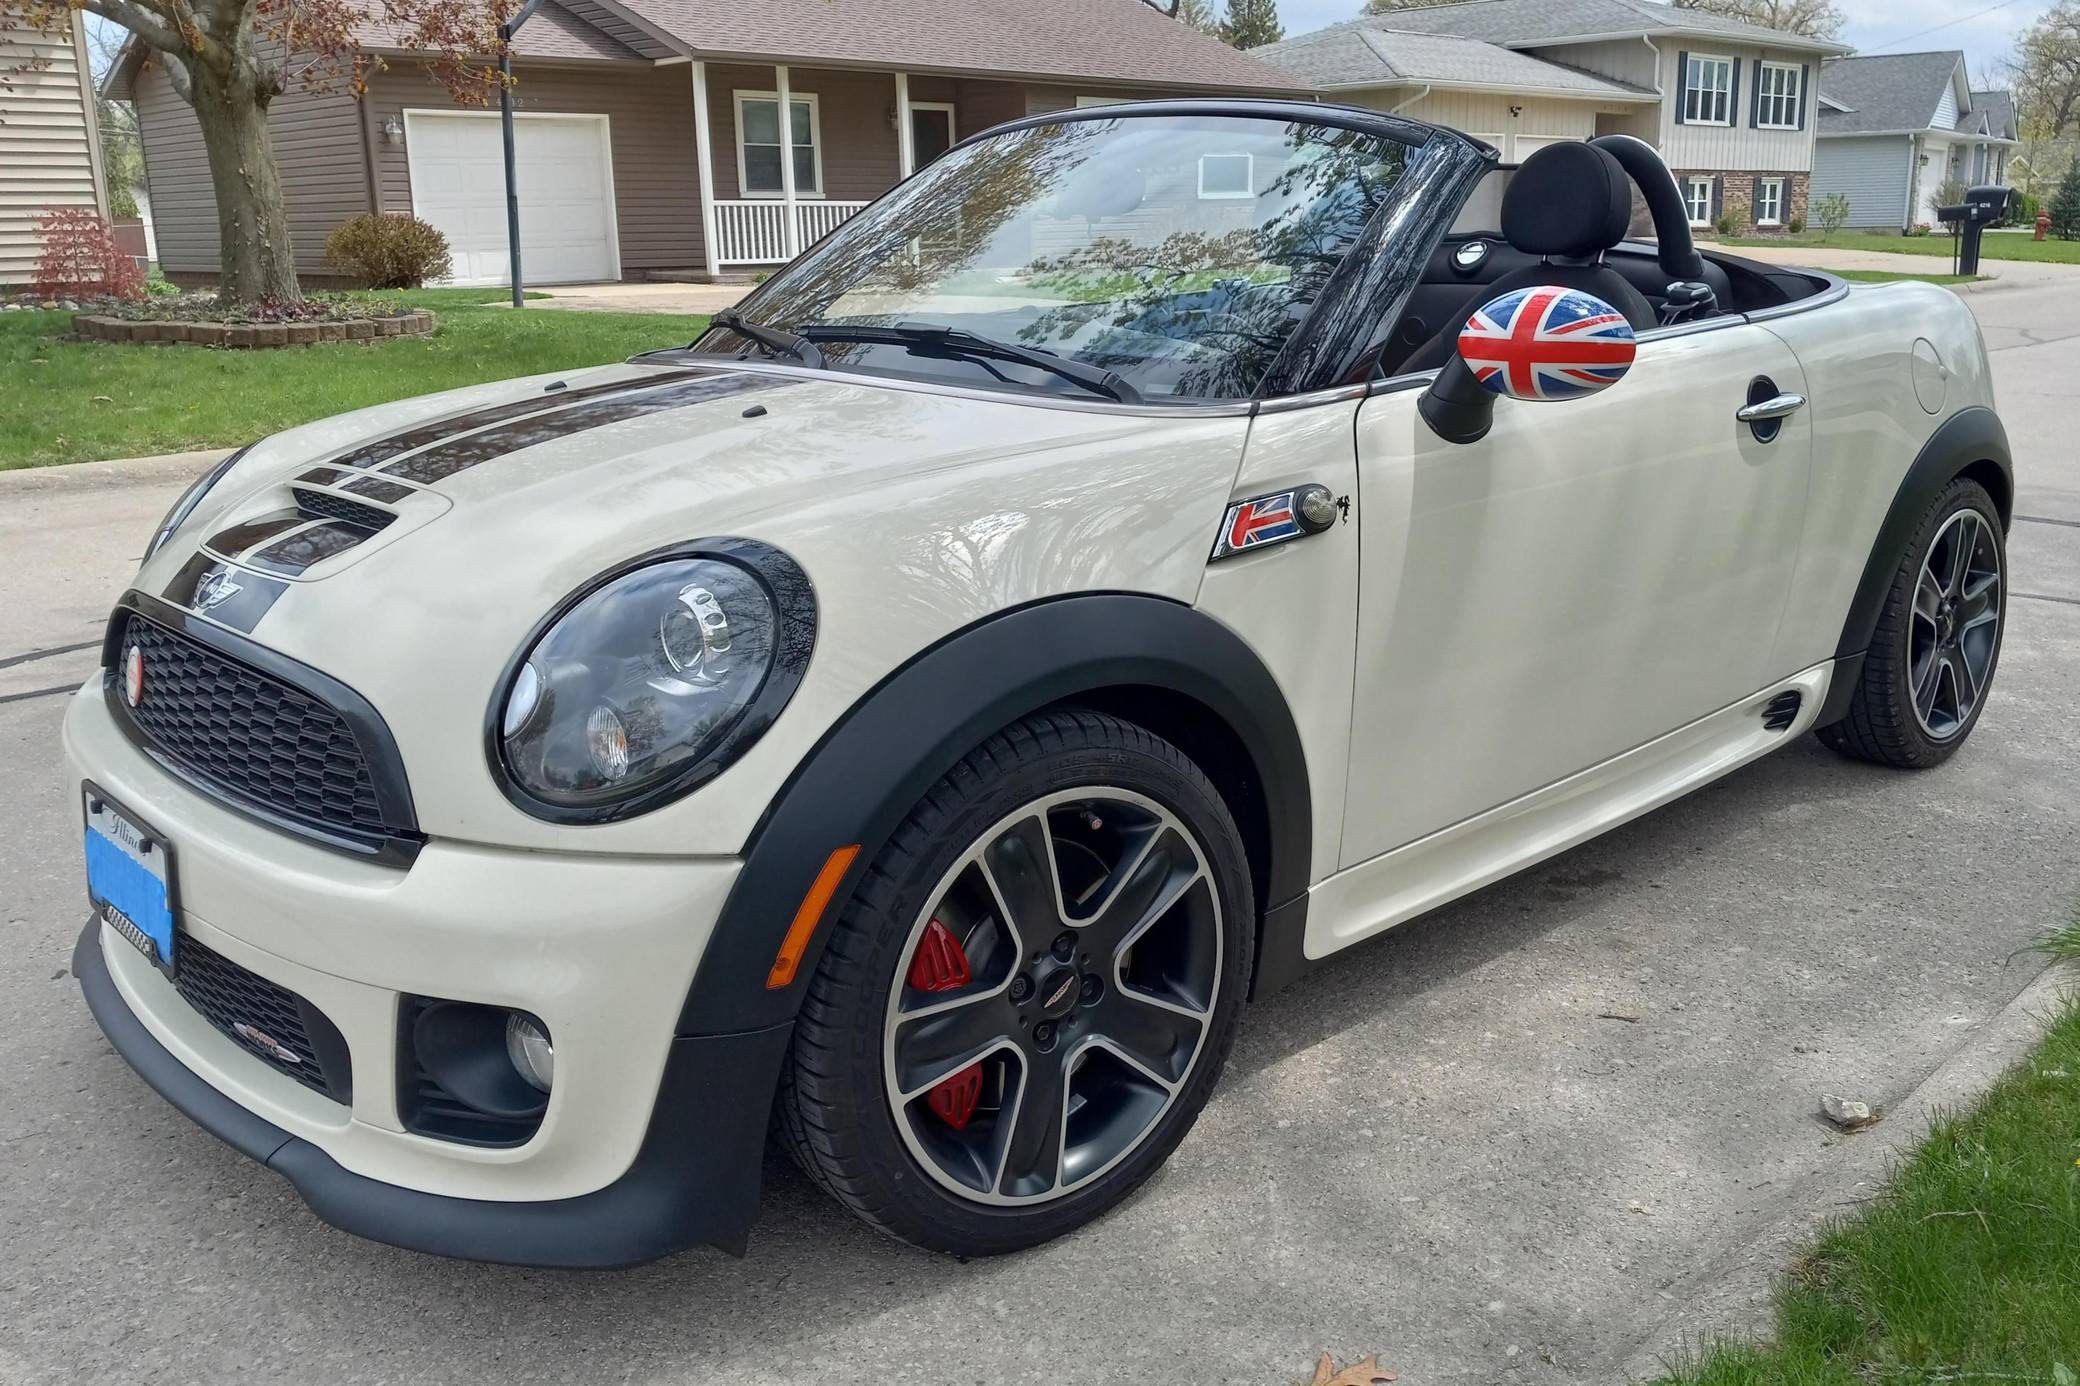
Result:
1728,104
50,144
1896,127
650,135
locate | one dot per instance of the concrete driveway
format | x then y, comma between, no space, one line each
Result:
1433,1149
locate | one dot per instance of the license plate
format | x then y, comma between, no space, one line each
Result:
130,878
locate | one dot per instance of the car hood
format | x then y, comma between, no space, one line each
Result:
913,512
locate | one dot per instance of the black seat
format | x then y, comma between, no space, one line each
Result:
1569,200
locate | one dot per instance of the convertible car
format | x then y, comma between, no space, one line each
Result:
1150,550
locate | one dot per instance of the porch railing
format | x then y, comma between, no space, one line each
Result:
754,231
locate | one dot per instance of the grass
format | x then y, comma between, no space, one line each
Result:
1967,1267
1992,247
82,401
1891,277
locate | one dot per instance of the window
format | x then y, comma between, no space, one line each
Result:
1708,91
1769,201
1226,175
1697,197
1777,96
758,145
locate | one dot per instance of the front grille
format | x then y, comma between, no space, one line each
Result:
326,505
272,1023
249,735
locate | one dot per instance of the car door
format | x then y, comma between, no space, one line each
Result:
1593,573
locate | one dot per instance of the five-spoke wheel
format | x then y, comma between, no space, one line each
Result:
1056,997
1030,996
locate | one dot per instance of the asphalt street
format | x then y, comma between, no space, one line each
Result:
1434,1149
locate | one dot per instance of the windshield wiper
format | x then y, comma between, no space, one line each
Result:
959,341
773,339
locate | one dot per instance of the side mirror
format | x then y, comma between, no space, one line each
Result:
1540,343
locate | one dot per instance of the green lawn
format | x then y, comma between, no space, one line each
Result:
82,401
1889,277
1967,1267
1996,245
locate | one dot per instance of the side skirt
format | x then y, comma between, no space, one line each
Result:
1374,896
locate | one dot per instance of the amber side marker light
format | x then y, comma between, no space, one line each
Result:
805,918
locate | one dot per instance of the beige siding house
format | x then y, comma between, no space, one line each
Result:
50,147
649,133
1729,105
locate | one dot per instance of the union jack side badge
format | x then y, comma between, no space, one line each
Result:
1262,521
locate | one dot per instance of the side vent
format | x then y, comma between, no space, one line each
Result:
1781,711
330,505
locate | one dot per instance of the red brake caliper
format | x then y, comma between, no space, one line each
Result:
941,964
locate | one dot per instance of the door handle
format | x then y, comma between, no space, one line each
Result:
1776,407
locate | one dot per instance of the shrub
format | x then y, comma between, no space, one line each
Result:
1796,226
1727,224
1950,192
384,251
82,260
1833,211
2065,206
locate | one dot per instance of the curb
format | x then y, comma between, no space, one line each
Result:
1731,1296
72,477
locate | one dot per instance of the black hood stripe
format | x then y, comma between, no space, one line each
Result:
440,463
381,450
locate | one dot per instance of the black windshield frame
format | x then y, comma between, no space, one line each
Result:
1339,340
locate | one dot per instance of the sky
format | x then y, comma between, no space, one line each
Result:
1985,29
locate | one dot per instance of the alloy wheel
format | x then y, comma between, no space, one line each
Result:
1054,997
1955,631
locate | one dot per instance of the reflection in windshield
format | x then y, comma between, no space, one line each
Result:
1178,251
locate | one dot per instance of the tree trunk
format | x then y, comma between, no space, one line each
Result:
257,261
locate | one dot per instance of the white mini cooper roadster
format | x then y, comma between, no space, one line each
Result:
1151,549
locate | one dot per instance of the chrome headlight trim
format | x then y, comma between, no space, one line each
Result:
792,601
189,499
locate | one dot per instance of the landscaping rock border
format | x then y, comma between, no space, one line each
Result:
252,335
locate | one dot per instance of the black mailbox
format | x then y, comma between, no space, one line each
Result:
1982,207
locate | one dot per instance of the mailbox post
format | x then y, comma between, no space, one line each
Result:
1982,207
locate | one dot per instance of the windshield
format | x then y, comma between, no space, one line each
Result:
1177,252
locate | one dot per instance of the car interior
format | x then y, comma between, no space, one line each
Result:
1566,215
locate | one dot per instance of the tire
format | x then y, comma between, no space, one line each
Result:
1129,813
1896,716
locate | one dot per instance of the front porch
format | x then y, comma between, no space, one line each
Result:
771,187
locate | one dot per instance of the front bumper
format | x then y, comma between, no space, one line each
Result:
602,949
695,1178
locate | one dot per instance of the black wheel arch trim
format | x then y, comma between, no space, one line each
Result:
694,1179
874,764
1972,437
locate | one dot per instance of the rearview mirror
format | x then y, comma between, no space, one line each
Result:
1542,343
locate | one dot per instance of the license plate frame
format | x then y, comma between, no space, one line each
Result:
131,881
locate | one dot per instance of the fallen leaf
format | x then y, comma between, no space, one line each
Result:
102,399
1366,1371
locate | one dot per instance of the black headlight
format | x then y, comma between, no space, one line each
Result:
652,680
191,498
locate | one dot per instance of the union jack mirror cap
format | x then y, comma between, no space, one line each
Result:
1547,342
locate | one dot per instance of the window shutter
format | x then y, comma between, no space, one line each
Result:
1682,86
1805,79
1755,100
1733,94
1718,196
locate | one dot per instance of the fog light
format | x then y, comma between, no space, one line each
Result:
527,1045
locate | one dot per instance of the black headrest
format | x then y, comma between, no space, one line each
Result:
1567,199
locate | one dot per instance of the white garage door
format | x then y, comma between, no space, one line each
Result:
1527,145
563,166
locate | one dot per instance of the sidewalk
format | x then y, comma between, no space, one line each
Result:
1998,273
646,297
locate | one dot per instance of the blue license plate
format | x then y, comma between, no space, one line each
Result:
130,878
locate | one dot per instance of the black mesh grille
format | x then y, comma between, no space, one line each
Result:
325,505
249,735
272,1018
